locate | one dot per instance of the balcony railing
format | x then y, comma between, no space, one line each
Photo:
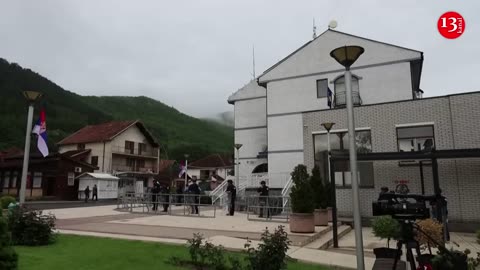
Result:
341,99
149,152
126,168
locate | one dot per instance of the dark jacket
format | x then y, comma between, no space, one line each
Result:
263,191
194,189
232,190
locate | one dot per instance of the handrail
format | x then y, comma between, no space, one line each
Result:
218,192
286,192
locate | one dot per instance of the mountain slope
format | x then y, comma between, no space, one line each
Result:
67,112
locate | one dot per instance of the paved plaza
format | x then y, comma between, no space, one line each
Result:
231,232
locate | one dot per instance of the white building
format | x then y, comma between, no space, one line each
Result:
107,185
268,112
124,148
278,120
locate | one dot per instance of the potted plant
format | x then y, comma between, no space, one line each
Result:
434,230
301,195
320,214
388,228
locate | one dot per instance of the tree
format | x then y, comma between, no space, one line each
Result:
319,192
301,193
8,256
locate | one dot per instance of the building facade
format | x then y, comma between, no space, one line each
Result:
278,120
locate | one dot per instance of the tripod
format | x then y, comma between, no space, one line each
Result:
410,243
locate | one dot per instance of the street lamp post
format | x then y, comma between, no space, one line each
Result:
346,56
237,165
186,169
31,97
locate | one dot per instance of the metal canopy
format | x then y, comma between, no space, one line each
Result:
433,155
337,155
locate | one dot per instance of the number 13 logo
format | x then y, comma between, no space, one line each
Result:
451,25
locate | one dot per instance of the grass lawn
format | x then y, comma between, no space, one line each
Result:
90,253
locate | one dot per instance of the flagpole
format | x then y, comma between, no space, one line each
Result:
26,155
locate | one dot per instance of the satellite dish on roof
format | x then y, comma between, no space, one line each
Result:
332,25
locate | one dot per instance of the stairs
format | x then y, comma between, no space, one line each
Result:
326,240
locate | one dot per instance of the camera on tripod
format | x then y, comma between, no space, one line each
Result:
402,206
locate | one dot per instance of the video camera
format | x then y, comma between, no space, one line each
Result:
403,206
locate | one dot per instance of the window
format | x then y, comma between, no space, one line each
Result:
418,138
340,91
130,162
37,179
322,88
205,174
141,163
339,141
71,178
94,160
129,147
81,146
142,148
13,179
6,179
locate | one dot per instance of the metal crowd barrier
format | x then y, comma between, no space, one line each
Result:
178,204
272,208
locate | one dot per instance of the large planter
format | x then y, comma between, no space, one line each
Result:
302,223
320,217
330,215
386,253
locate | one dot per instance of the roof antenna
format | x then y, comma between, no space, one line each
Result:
314,29
253,57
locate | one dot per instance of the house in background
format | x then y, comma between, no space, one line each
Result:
52,176
213,169
125,149
282,112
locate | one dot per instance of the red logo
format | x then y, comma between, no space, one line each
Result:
451,25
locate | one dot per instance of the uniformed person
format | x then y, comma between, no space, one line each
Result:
263,193
232,195
155,191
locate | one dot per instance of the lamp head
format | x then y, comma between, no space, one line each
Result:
32,96
186,155
347,55
238,145
328,126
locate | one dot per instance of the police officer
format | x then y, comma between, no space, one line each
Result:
195,190
166,197
155,191
263,193
232,195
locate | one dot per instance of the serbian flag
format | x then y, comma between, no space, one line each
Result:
40,129
329,97
183,170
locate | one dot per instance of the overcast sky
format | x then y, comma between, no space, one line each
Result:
193,54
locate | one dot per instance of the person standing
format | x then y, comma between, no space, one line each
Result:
155,191
87,193
263,191
232,195
95,193
166,197
194,190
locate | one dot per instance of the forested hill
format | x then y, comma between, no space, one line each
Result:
67,112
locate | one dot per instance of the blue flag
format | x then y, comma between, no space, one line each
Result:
329,97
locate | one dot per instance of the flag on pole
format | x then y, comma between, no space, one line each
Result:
329,97
40,129
182,170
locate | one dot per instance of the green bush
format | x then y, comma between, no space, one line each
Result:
6,200
386,227
319,192
8,256
271,253
31,228
301,193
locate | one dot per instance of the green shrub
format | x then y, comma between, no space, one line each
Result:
271,253
386,227
31,228
8,256
301,194
6,200
319,192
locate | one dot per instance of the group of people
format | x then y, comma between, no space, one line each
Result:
161,194
86,192
263,192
